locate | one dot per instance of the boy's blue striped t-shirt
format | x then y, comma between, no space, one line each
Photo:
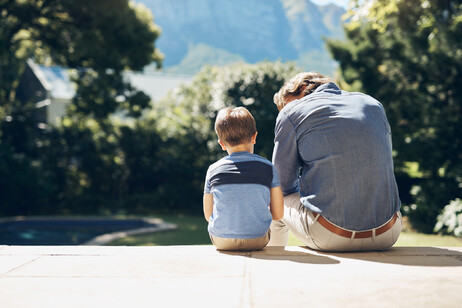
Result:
240,184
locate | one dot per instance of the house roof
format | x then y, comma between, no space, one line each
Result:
58,77
155,84
56,80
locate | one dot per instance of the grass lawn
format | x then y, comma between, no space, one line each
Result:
192,230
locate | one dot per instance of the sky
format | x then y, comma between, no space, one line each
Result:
342,3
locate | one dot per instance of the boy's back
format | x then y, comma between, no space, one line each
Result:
242,193
240,184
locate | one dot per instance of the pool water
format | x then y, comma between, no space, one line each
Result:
63,231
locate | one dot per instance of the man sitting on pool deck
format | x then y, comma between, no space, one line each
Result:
333,154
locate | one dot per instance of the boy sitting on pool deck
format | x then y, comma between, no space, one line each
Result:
242,193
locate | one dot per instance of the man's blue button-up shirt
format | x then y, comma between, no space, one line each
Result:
334,147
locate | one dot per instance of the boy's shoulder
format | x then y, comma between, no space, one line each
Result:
257,157
243,157
239,158
242,168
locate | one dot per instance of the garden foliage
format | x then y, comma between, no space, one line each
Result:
408,55
450,220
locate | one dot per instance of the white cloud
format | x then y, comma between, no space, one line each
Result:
342,3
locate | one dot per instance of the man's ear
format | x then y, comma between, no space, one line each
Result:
223,146
254,138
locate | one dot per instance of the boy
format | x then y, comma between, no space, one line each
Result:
242,193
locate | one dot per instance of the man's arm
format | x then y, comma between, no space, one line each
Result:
285,155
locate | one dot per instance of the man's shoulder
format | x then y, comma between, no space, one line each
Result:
363,96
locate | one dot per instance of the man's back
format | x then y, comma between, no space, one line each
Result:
344,150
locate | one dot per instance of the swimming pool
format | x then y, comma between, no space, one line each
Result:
64,231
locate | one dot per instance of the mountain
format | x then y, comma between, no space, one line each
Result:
198,32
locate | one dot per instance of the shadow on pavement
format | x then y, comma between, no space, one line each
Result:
283,254
410,256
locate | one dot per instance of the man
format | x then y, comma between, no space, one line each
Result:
333,154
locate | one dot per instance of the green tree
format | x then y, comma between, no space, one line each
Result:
408,55
102,35
184,120
253,86
194,107
99,39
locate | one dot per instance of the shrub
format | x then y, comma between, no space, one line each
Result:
450,220
429,198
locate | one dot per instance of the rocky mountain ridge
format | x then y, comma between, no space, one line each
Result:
197,32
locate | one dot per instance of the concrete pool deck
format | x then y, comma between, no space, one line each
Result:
200,276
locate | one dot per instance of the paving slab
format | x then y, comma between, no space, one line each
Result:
200,276
60,250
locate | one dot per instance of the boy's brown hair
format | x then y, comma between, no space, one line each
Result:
235,126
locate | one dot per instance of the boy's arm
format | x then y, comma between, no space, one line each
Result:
208,205
276,203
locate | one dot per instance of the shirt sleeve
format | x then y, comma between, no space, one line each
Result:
207,184
275,182
285,155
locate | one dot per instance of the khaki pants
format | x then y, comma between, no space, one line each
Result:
304,225
244,244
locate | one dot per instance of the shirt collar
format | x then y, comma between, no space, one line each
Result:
329,87
239,153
